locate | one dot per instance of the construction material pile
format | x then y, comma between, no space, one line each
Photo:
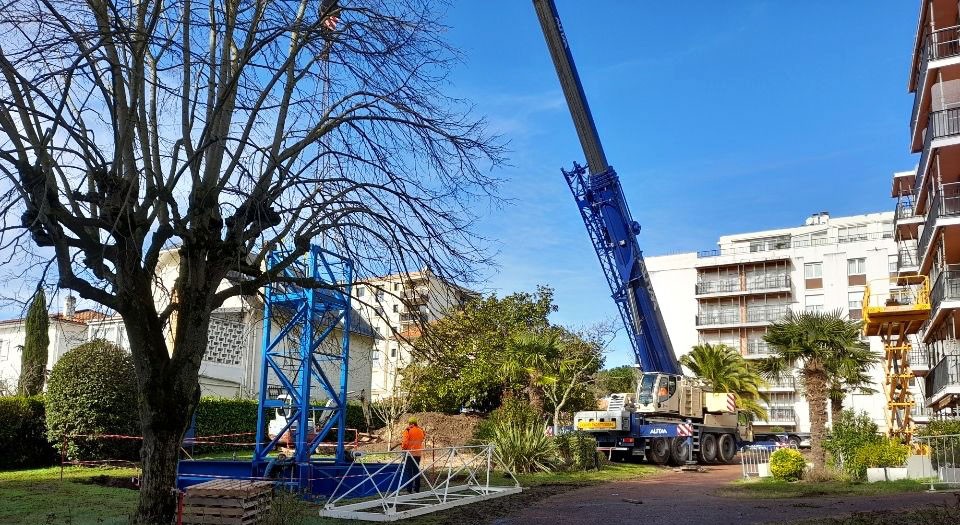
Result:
443,430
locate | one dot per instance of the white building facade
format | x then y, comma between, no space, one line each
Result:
731,294
396,307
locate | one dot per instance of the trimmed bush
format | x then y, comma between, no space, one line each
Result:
218,416
23,434
524,448
888,453
92,390
578,451
787,464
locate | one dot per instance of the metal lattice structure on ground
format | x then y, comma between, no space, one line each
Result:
449,477
894,311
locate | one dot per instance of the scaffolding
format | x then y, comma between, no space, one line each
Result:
894,310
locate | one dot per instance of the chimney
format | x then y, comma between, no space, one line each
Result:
70,306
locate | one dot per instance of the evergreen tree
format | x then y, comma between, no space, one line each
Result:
33,360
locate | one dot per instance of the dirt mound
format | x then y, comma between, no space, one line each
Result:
443,430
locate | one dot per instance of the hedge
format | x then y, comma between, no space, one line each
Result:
23,434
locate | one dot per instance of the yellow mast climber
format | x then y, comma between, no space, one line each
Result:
894,311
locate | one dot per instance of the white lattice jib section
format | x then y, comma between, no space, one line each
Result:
226,342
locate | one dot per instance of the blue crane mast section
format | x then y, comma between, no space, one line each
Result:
613,232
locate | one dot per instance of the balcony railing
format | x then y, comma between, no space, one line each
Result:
946,373
904,209
907,257
768,282
942,43
918,358
945,203
764,314
784,382
758,347
732,285
945,288
718,317
781,414
742,248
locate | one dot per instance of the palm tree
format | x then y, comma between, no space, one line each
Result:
815,342
850,372
526,356
723,369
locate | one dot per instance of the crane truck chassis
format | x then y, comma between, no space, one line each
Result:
665,417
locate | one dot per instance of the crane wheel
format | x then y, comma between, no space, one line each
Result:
727,448
679,451
659,451
709,449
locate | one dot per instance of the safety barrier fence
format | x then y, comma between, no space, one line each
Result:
755,459
447,477
937,460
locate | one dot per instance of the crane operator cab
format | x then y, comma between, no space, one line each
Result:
667,394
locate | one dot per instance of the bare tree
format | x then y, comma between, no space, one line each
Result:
222,130
580,359
396,401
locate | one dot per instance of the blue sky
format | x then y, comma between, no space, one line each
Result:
720,117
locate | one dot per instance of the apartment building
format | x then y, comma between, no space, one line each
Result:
732,293
396,306
928,201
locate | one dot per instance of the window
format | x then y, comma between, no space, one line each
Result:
393,352
814,303
857,266
361,291
396,287
396,308
887,229
813,270
852,233
4,349
379,294
892,264
854,300
770,243
376,354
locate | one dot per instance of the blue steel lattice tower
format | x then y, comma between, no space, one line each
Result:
298,321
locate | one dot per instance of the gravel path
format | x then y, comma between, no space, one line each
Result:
679,498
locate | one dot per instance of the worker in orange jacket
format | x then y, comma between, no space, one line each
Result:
413,438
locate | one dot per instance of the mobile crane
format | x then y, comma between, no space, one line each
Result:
670,417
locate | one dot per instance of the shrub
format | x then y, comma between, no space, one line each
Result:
511,411
524,448
92,390
851,432
23,432
942,449
787,464
884,454
578,451
940,427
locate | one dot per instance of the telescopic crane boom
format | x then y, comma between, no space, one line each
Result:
606,215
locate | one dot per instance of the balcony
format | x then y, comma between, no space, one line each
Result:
762,283
938,45
920,413
944,379
416,296
941,124
779,415
766,314
718,318
907,258
412,316
780,385
919,360
712,287
757,348
905,213
945,203
945,288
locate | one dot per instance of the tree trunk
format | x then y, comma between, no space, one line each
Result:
556,421
836,407
815,385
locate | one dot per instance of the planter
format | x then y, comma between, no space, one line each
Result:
763,470
886,474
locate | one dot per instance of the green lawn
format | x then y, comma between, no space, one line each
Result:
38,496
768,488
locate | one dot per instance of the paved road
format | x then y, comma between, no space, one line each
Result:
679,498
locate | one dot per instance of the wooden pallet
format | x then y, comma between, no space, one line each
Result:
226,502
